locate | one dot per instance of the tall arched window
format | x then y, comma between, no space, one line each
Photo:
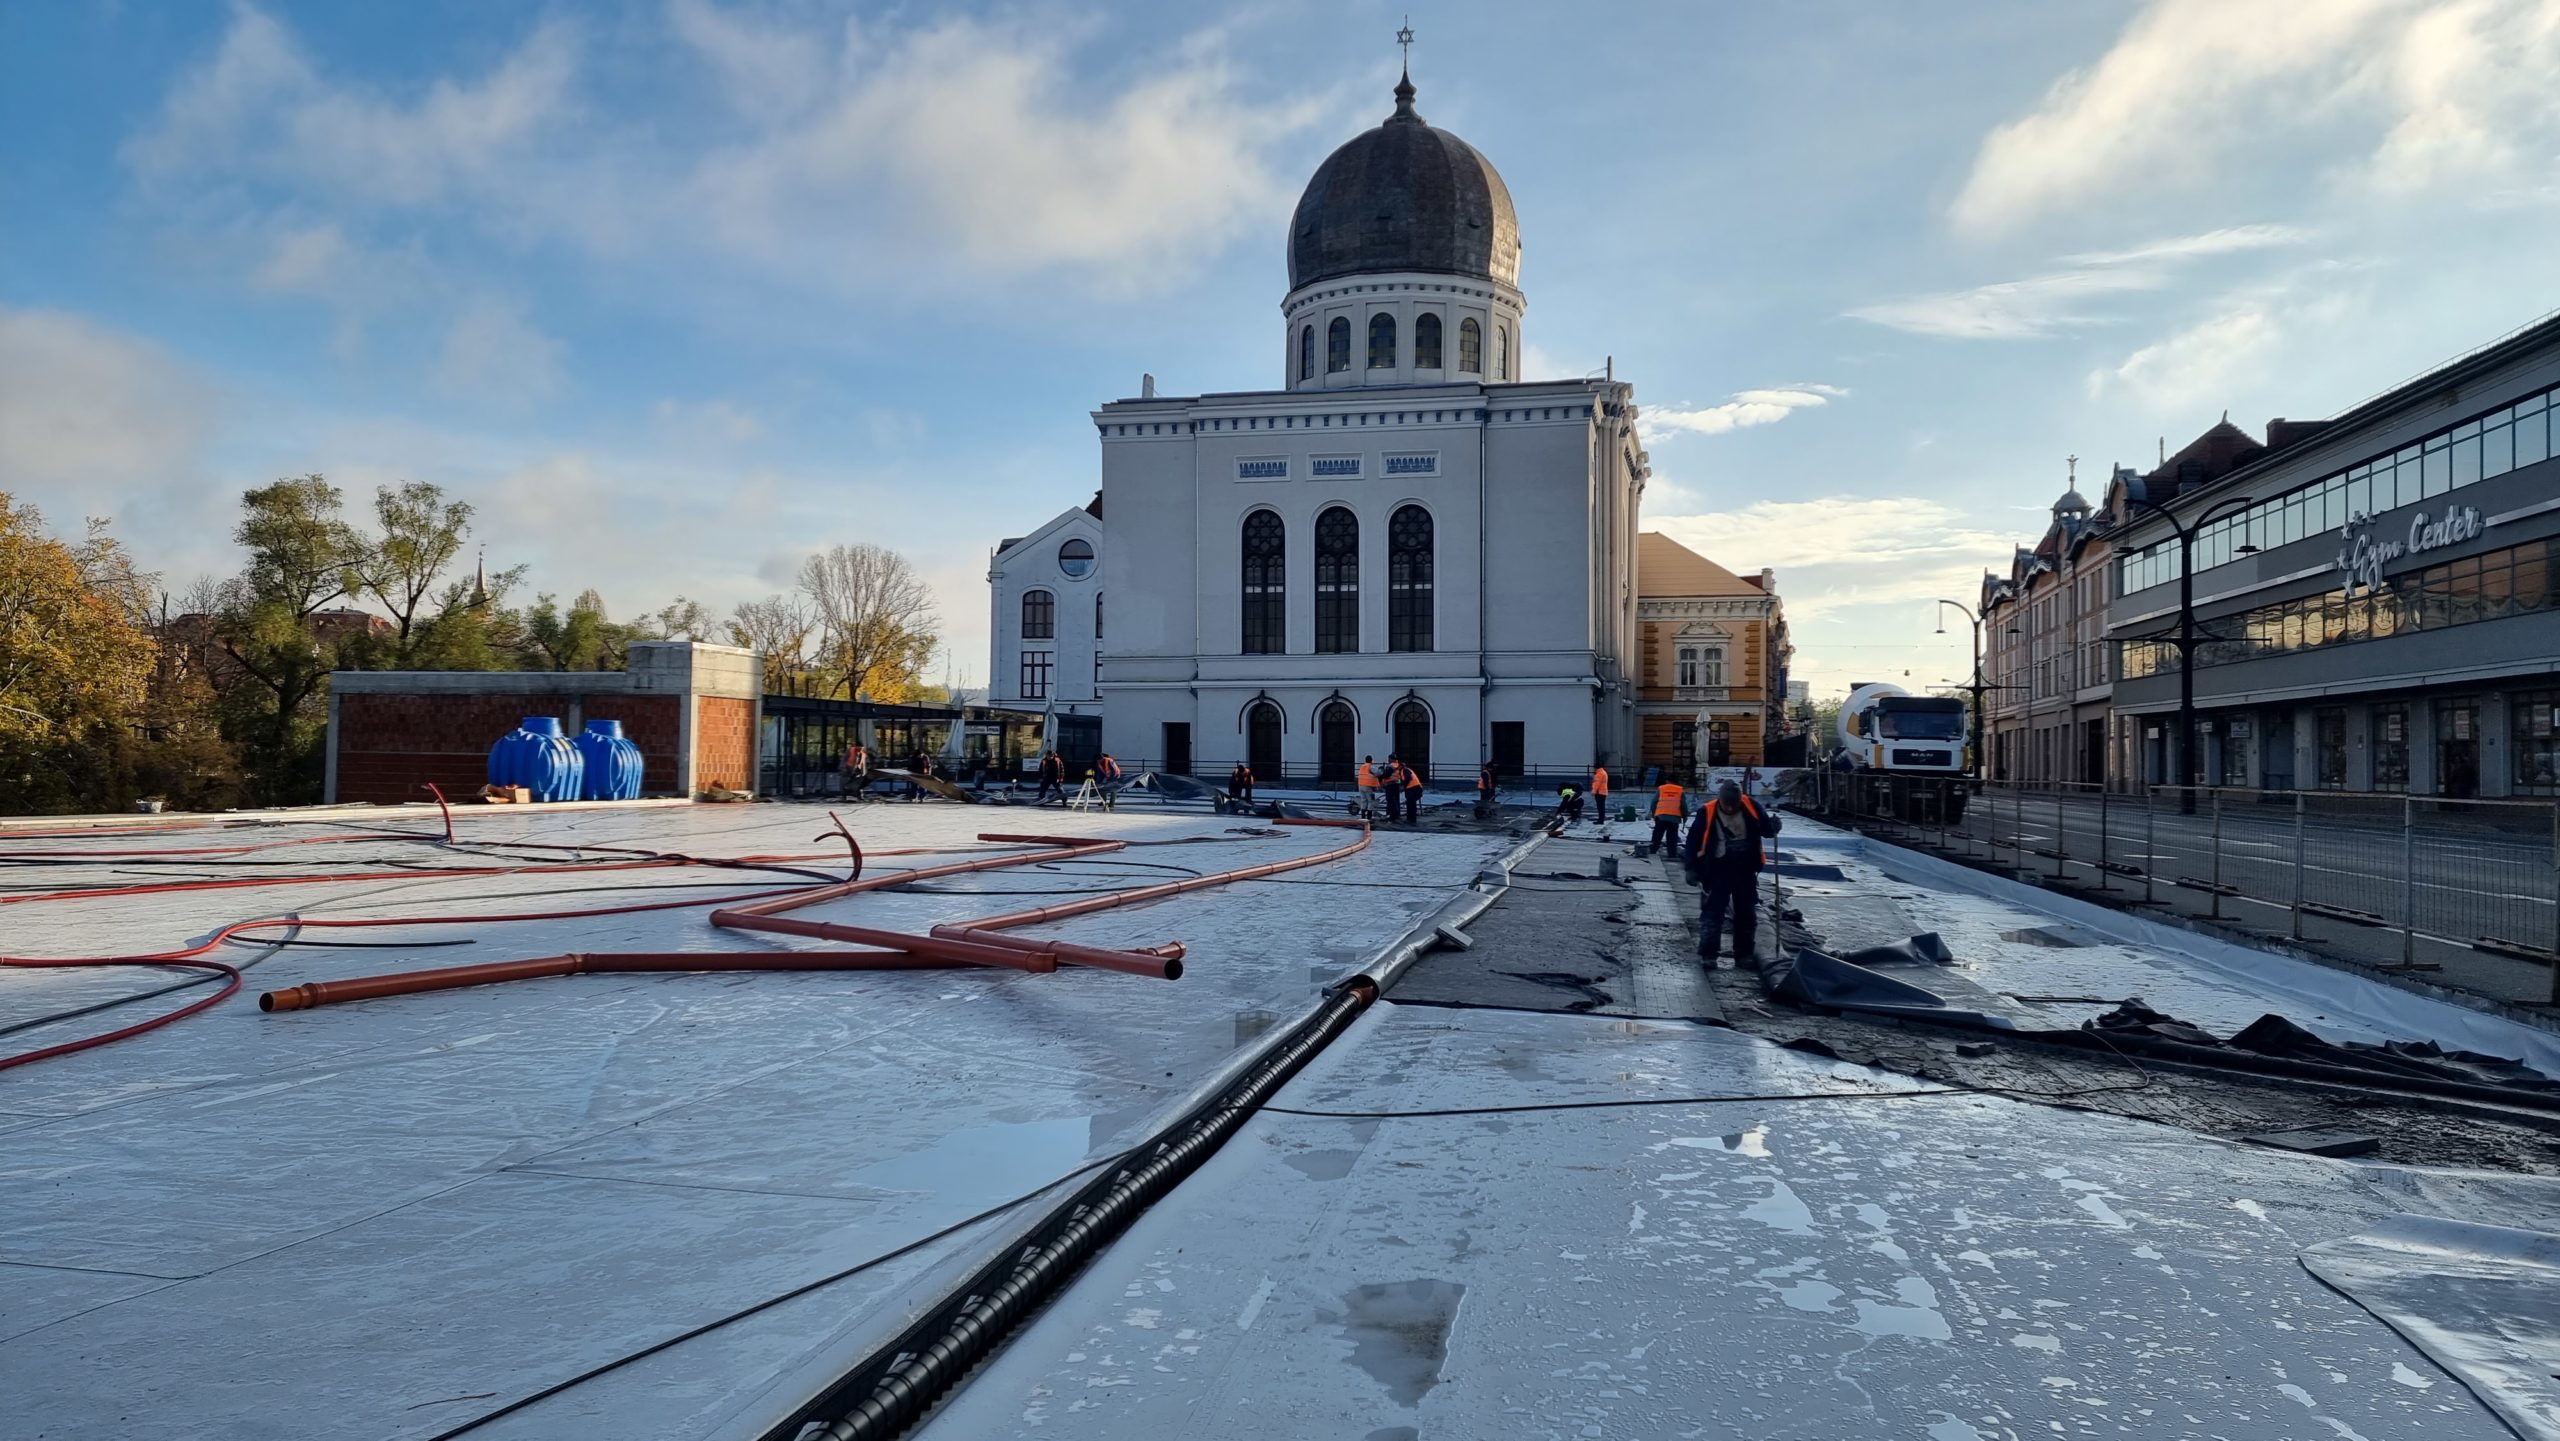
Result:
1411,727
1039,615
1426,343
1470,347
1337,345
1337,581
1262,727
1409,580
1382,342
1502,352
1336,736
1097,615
1266,601
1306,352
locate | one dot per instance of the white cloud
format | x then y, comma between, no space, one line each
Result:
2421,93
707,422
2197,364
768,71
493,352
971,144
259,109
2048,304
1746,408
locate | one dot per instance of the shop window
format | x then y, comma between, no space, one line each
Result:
2391,747
2330,737
2535,741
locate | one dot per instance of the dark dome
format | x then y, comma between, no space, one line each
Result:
1404,197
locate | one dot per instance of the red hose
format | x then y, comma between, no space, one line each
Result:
230,983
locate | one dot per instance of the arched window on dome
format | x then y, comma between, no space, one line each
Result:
1337,345
1502,352
1382,342
1337,582
1470,347
1266,603
1306,352
1409,579
1426,343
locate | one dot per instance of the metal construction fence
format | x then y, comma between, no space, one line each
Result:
2401,869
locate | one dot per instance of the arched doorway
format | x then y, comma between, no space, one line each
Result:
1336,735
1412,728
1262,726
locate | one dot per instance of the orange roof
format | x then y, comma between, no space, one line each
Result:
1665,567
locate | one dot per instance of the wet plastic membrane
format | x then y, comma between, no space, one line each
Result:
2274,1035
1811,978
2482,1301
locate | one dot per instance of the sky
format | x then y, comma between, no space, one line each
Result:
675,293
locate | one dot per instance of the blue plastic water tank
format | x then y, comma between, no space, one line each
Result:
612,762
538,757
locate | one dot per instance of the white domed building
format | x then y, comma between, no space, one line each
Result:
1404,547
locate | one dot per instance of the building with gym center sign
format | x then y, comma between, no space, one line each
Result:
2383,613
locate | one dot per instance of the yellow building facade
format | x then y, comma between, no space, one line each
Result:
1713,654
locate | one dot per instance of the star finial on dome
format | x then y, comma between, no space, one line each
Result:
1404,84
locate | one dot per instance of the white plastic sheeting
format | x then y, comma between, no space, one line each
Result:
2483,1301
1948,1267
385,1218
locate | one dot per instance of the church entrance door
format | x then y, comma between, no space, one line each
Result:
1413,735
1262,742
1334,741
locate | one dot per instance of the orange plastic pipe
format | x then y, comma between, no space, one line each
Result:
451,978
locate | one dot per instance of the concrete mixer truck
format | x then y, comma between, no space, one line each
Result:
1889,732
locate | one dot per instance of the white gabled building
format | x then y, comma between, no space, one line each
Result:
1405,548
1045,594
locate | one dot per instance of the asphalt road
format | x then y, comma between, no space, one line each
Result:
2465,880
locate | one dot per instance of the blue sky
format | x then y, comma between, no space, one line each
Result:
676,292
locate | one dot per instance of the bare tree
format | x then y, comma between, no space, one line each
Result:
777,629
875,616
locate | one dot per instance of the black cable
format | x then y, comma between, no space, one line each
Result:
1618,1104
795,1293
351,945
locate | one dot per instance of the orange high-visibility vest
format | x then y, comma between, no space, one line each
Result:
1412,779
1599,781
1368,777
1666,800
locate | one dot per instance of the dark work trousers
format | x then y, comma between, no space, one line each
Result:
1734,887
1412,804
1666,835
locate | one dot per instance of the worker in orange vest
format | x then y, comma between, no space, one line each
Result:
857,770
1600,793
1412,794
1368,787
1723,851
1106,779
1670,808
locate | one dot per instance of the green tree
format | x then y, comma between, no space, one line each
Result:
303,559
579,638
877,627
422,533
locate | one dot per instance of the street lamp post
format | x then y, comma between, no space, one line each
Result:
1977,687
2186,639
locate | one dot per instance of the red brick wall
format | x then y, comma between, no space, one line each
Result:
654,723
391,746
724,743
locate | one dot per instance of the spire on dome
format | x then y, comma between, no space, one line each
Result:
1404,82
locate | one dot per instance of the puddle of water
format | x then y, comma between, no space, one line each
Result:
1399,1334
2040,936
1326,1165
993,1162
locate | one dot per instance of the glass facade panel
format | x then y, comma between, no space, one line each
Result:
2390,747
2534,741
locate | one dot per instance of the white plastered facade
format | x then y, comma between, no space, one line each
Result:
1038,563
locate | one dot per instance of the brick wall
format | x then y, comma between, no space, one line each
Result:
724,743
390,747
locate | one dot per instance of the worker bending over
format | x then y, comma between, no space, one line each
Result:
1724,855
1670,808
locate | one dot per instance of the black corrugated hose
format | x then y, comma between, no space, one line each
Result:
885,1395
